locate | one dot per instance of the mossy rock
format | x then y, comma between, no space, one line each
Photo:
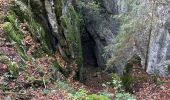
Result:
24,13
15,38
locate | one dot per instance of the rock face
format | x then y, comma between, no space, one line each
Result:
99,28
159,48
159,56
99,24
61,24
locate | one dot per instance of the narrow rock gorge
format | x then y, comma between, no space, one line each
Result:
99,49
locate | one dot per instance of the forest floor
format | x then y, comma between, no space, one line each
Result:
23,87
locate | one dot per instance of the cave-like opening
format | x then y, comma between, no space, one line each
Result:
88,48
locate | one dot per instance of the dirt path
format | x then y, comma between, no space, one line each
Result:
96,80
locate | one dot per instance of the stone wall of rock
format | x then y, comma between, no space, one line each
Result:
61,21
98,22
159,56
62,30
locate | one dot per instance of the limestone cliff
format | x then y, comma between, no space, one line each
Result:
69,24
55,25
159,55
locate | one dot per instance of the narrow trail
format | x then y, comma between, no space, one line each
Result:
96,80
94,76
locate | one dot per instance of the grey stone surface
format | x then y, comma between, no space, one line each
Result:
100,25
159,56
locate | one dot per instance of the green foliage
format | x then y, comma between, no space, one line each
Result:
70,22
124,96
92,8
8,98
12,33
128,82
83,95
4,59
34,82
13,69
118,83
65,86
15,38
15,34
45,92
97,97
38,33
13,19
2,17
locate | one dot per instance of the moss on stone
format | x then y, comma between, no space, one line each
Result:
68,36
37,31
60,69
12,33
69,28
15,38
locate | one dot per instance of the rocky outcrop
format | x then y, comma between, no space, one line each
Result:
98,22
60,21
159,56
55,24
